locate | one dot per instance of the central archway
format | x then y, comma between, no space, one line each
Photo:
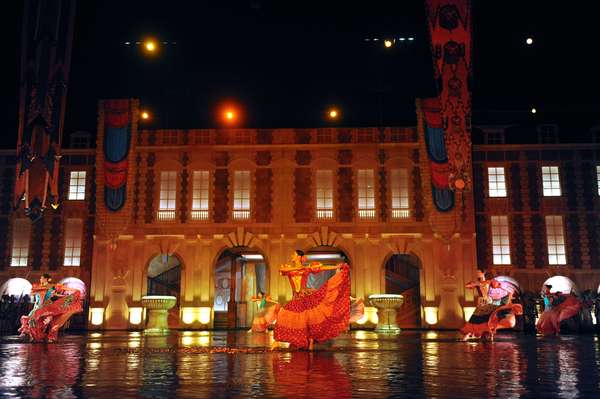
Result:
240,273
402,276
326,255
164,278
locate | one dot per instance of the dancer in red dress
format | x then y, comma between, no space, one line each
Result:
563,307
53,305
313,315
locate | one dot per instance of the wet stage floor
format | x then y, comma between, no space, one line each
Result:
359,364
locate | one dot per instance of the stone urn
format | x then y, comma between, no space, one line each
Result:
387,305
157,309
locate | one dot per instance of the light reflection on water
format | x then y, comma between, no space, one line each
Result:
360,364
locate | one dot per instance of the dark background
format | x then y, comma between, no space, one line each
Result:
285,62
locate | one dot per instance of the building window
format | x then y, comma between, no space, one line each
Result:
168,196
365,136
324,191
397,135
548,134
243,137
500,240
77,185
169,137
551,181
73,231
200,195
324,136
399,188
80,140
556,240
20,242
366,194
598,178
202,137
241,195
494,137
496,182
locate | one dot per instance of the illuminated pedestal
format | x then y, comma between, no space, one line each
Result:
157,309
387,304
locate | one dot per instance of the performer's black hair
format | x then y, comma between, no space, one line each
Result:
549,286
47,276
299,252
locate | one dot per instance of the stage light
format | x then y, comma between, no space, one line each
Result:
388,43
204,315
431,315
529,41
468,311
333,113
188,316
135,315
533,110
150,46
97,316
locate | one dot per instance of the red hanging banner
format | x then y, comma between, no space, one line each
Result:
450,29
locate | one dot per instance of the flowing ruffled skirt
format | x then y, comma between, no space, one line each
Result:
44,322
320,315
265,317
549,322
488,318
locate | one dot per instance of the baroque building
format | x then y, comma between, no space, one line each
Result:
208,215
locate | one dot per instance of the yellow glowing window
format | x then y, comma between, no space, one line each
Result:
551,181
20,241
500,240
73,232
556,240
324,194
77,185
496,182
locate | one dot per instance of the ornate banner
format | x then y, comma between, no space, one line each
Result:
45,61
117,140
443,196
450,28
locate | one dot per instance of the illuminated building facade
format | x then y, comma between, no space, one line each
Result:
208,215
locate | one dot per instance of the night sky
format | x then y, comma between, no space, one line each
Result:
285,62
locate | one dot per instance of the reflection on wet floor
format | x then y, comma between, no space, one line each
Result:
206,364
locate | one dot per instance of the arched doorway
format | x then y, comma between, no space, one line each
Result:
16,287
402,273
14,303
164,278
240,273
79,320
560,284
327,256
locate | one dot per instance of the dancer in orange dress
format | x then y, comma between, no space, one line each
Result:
313,315
53,305
267,312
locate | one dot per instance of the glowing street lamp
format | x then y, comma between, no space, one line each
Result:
333,114
150,46
529,41
533,110
145,115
